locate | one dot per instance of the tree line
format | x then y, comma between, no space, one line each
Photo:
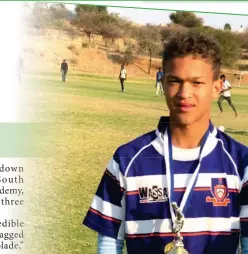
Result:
146,39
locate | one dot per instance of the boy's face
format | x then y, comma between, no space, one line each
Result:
189,89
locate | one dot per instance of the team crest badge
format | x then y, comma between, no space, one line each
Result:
219,192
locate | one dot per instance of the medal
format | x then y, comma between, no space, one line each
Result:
177,246
177,250
169,247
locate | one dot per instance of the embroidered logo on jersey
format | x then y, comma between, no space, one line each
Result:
153,194
219,192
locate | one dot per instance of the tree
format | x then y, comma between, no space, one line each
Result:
229,43
90,8
86,22
109,32
96,20
109,26
230,47
185,18
40,16
130,52
227,27
71,31
243,39
149,41
58,11
44,15
125,26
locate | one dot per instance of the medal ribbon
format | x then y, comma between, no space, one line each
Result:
170,173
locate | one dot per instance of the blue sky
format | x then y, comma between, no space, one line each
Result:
142,16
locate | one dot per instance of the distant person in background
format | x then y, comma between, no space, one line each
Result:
158,85
64,70
20,69
123,77
226,95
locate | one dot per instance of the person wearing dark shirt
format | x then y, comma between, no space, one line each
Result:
64,70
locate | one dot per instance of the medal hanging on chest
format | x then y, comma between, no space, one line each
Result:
177,246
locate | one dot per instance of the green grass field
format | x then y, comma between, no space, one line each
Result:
82,122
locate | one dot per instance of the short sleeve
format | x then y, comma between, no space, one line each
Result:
106,213
228,83
244,205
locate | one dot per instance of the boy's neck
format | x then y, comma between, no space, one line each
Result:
188,136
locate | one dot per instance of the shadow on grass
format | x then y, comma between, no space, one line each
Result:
237,132
128,93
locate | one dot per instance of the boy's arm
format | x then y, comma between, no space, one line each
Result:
244,245
106,213
108,245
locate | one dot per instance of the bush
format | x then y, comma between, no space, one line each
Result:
85,45
73,61
73,49
243,39
243,67
129,55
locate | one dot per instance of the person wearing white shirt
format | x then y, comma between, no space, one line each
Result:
123,77
226,95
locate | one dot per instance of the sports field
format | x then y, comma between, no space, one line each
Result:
82,122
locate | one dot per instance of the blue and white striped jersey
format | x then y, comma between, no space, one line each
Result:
131,201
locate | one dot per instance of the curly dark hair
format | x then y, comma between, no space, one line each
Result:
198,45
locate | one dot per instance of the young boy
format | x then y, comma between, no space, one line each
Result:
123,77
64,70
186,160
159,86
226,95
